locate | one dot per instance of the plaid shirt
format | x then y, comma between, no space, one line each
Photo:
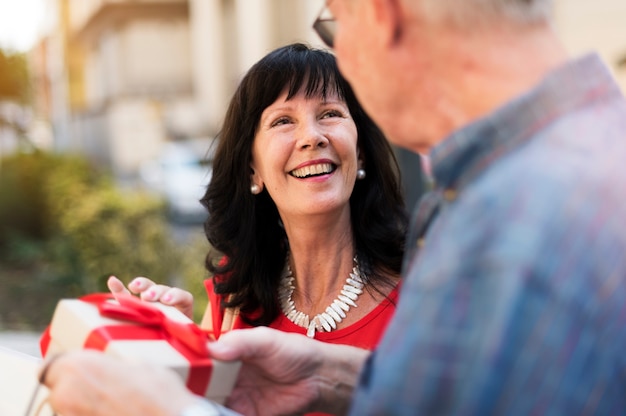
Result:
514,300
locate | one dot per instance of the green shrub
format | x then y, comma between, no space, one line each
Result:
192,273
65,227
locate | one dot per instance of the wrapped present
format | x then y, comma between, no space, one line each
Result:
20,393
136,330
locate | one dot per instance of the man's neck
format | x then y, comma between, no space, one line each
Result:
495,69
472,74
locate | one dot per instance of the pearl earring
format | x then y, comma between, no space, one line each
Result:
360,174
255,189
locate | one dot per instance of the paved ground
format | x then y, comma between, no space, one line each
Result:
25,342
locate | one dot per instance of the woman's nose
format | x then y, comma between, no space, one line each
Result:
310,136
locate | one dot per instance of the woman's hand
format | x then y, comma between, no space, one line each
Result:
152,292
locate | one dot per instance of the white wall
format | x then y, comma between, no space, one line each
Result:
155,57
594,25
136,132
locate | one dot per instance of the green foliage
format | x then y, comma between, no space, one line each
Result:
118,234
64,228
192,273
32,185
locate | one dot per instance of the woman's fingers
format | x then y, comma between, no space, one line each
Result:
179,298
175,296
154,293
116,286
140,285
151,292
172,296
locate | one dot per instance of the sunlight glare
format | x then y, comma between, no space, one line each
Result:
20,23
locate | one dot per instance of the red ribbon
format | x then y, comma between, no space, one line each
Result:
152,324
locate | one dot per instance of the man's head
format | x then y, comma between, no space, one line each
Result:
415,64
470,14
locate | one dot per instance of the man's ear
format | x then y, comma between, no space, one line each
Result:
388,14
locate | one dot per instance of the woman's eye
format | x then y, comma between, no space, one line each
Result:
331,113
280,121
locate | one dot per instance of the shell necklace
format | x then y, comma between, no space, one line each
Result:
334,313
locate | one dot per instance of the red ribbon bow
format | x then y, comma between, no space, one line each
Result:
137,311
151,324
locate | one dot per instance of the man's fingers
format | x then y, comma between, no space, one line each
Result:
246,343
45,369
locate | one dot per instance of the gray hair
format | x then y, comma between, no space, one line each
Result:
466,13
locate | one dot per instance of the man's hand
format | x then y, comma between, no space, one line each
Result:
285,373
88,382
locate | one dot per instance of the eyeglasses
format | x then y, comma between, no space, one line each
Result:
325,26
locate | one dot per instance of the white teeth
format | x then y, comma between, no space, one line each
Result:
312,170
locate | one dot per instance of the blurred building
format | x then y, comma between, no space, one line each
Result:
595,25
126,76
122,77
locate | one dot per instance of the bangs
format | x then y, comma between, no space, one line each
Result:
297,68
292,69
315,80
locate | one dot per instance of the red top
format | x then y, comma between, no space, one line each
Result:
364,333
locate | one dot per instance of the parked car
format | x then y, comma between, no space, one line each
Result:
180,176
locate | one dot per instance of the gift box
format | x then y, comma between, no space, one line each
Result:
132,329
20,393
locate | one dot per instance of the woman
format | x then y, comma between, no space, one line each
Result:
307,219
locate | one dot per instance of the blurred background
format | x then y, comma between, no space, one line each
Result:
108,115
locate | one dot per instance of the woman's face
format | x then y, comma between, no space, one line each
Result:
305,154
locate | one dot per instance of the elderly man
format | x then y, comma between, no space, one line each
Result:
513,300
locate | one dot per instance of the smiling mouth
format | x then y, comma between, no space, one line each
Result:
313,170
